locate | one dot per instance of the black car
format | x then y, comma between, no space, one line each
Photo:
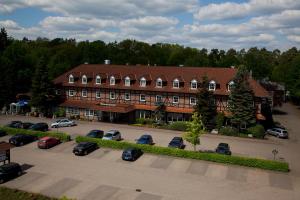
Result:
83,148
39,127
145,139
27,125
176,142
22,139
15,124
223,148
2,133
9,171
131,154
95,134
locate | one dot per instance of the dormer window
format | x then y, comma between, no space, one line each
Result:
98,80
159,83
212,86
112,80
193,84
143,82
127,81
176,83
84,79
71,78
230,85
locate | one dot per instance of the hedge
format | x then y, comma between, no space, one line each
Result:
213,157
13,131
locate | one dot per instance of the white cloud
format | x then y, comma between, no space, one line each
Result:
9,24
294,38
257,38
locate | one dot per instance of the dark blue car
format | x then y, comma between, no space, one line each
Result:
145,139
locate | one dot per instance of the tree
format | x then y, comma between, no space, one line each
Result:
3,39
241,100
206,104
194,130
42,91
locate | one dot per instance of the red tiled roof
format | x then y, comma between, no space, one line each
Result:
222,76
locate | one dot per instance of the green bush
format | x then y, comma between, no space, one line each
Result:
60,112
257,131
220,120
213,157
230,131
178,126
13,131
144,121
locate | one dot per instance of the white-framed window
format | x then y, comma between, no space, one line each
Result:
89,112
175,99
98,94
230,85
112,95
72,111
127,96
57,92
193,100
158,98
84,79
159,82
72,93
176,83
142,97
212,86
71,78
84,93
194,84
98,80
112,80
127,81
143,82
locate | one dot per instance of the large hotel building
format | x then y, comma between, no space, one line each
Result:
123,93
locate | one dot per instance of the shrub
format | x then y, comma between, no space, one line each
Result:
13,131
220,120
178,126
230,131
257,131
60,112
213,157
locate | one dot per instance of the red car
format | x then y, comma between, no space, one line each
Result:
47,142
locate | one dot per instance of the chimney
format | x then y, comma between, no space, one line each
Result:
107,62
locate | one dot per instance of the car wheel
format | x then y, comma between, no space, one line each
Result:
21,143
19,173
85,153
1,181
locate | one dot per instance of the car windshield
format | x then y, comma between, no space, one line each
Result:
145,137
82,144
284,131
108,135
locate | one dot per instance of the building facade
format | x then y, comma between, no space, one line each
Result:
125,93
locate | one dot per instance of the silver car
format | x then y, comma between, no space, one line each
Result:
112,135
278,132
62,123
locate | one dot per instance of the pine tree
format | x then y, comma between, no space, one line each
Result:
42,90
241,100
3,39
206,104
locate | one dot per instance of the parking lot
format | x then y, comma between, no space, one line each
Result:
103,175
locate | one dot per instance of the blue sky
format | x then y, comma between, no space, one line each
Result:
196,23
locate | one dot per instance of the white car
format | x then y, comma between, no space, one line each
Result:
62,123
112,135
278,132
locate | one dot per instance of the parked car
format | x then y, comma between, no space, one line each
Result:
27,125
176,142
15,124
9,171
112,135
83,148
145,139
63,123
47,142
131,154
2,133
278,132
95,134
39,127
22,139
223,148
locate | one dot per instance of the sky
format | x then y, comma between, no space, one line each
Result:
273,24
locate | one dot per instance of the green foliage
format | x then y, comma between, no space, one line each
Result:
206,104
213,157
230,131
257,131
194,130
13,131
60,112
144,121
241,100
177,126
220,120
